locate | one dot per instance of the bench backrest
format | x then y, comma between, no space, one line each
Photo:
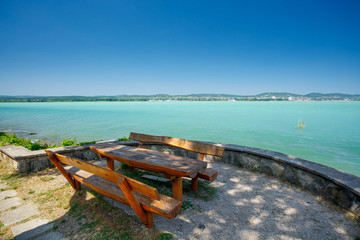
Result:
198,147
104,173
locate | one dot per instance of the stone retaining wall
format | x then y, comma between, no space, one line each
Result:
340,188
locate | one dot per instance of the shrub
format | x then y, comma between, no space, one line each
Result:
68,142
123,139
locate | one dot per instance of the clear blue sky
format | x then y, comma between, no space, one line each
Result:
178,47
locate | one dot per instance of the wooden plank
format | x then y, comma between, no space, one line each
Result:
193,146
150,219
110,163
143,188
55,161
151,160
109,175
89,167
208,174
133,201
165,206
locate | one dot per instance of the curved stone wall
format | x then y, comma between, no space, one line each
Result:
340,188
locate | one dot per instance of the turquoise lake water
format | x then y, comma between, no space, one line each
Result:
331,136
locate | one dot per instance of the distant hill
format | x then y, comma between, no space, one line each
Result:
341,95
277,94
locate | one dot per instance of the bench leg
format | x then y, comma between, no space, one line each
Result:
110,163
77,185
194,184
150,220
177,188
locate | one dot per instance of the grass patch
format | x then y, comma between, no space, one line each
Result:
5,232
240,165
187,204
13,180
164,236
46,179
3,229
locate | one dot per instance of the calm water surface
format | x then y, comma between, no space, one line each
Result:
331,136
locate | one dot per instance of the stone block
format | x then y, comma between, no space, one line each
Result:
251,161
339,195
39,164
290,176
311,182
9,202
8,193
231,157
22,166
31,229
270,167
19,214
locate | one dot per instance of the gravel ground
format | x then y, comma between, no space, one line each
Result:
254,206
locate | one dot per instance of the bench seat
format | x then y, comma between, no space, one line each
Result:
166,206
208,174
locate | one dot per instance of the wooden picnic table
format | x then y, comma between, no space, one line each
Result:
173,167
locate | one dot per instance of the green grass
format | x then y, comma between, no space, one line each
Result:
187,204
46,179
164,236
13,180
12,139
3,231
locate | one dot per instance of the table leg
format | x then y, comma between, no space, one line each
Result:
194,184
177,188
110,163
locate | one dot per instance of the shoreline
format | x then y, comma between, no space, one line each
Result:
260,100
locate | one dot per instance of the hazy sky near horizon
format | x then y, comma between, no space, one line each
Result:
178,47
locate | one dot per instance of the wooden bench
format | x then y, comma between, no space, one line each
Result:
197,147
145,200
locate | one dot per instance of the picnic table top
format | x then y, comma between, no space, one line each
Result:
151,160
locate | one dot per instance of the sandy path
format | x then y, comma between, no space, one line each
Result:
254,206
